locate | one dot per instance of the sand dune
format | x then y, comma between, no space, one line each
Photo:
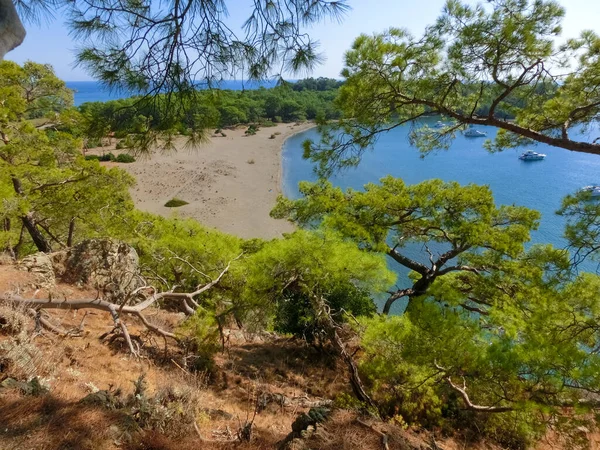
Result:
230,183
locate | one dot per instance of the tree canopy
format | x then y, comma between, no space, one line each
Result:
149,47
453,223
139,123
51,194
154,47
495,64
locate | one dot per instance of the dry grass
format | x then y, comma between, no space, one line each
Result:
277,374
48,422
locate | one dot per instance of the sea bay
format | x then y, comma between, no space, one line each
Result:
539,185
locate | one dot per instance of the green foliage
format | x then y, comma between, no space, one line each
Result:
182,252
106,157
47,184
202,337
141,123
496,64
175,203
251,131
32,91
124,158
347,401
455,223
582,230
316,84
295,312
285,276
175,59
515,326
525,345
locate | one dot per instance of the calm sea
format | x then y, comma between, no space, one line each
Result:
538,185
92,91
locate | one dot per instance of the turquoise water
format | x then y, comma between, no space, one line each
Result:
536,184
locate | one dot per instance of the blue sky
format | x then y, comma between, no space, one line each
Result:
51,43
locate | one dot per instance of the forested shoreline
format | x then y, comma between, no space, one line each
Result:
309,99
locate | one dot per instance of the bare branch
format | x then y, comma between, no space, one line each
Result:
463,393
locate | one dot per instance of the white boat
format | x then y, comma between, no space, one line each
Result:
593,189
530,155
472,132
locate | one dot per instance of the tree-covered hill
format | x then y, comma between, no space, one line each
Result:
212,109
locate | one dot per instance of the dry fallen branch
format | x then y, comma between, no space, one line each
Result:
383,436
203,439
37,306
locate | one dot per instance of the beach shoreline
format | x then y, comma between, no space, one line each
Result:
230,183
280,187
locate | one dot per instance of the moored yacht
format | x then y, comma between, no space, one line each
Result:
472,132
530,155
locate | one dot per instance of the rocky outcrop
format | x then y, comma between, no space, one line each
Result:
108,265
41,266
105,264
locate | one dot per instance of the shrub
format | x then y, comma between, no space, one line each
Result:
125,158
202,335
272,136
251,131
250,161
92,157
107,157
175,203
94,142
295,314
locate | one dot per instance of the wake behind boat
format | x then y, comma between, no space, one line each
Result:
530,155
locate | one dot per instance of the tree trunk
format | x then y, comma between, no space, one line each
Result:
38,238
71,232
388,304
12,32
331,328
355,381
28,220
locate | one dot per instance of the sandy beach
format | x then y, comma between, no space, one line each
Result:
230,183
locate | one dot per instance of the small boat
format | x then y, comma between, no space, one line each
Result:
472,132
530,155
593,189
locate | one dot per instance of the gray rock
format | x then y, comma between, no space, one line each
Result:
40,264
105,264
